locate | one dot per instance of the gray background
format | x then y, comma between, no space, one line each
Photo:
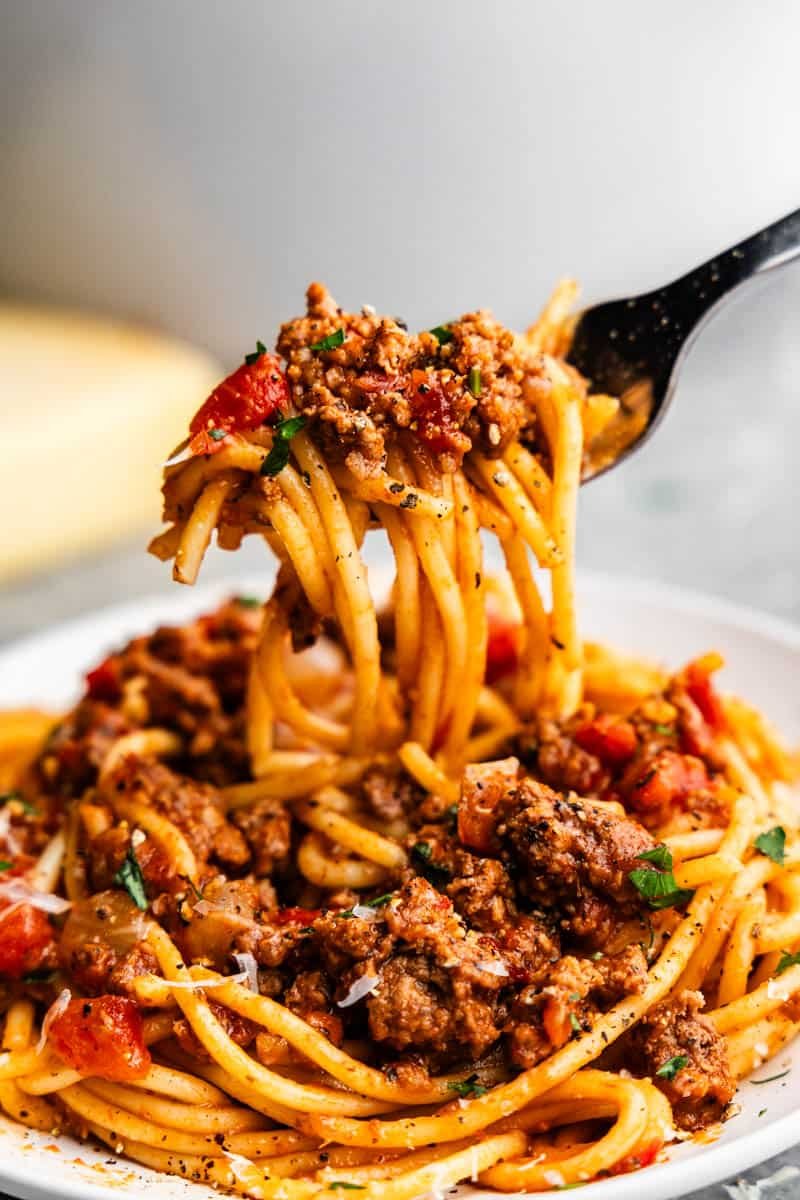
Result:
193,164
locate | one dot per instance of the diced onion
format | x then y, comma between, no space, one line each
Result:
247,963
7,834
59,1006
17,891
365,912
493,967
360,988
241,1167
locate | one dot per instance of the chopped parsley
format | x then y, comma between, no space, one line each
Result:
667,730
217,435
451,815
574,1023
39,977
474,381
379,901
347,1187
329,343
25,805
659,888
468,1088
5,865
786,960
672,1066
248,601
256,355
773,844
660,856
421,854
278,456
442,333
130,877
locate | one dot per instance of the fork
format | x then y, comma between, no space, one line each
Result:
635,348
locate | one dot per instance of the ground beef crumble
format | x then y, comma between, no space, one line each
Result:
460,389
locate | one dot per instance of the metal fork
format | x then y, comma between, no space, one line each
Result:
635,348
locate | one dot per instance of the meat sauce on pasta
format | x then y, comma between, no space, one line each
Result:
335,892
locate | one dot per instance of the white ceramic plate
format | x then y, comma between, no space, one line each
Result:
763,657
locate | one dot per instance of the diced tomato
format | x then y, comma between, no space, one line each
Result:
609,738
668,780
252,394
433,411
639,1158
701,690
102,1036
103,683
502,651
26,936
482,789
296,916
556,1022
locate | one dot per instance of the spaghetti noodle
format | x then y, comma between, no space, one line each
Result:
347,894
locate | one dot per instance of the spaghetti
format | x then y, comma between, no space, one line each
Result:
346,894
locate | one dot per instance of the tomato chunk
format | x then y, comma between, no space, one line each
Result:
247,398
668,781
432,406
609,738
26,936
102,1036
701,689
502,650
296,916
483,787
103,683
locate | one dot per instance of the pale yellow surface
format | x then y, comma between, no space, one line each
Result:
89,409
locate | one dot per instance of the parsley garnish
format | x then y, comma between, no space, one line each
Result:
5,865
248,601
217,435
330,342
421,853
574,1023
451,814
130,877
443,334
348,1187
659,888
24,804
468,1087
278,456
379,901
39,977
786,960
660,856
259,350
672,1066
474,381
668,730
773,844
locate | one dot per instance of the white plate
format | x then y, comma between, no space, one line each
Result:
764,664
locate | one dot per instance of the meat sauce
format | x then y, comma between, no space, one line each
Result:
515,925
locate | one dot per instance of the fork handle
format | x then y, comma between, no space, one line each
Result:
698,291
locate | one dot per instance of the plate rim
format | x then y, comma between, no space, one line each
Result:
671,1179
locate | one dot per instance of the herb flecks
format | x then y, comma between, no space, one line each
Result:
773,844
256,355
130,877
421,858
474,381
659,856
672,1066
442,333
468,1088
278,456
787,960
659,888
330,342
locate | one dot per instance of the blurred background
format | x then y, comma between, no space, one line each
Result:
185,168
